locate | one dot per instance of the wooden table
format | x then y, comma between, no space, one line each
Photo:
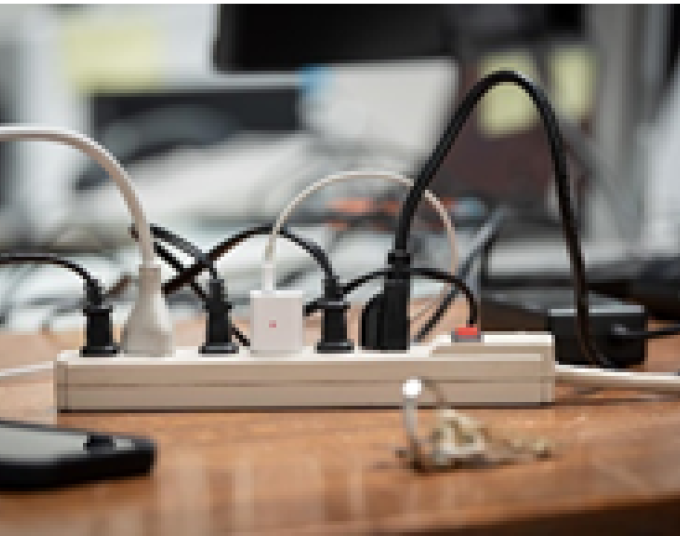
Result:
309,472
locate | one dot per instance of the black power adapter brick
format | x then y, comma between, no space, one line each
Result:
552,310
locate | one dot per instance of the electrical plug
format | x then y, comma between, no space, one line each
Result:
218,335
384,320
276,320
148,330
98,325
334,322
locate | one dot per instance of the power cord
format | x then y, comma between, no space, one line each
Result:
219,328
618,332
64,307
334,293
189,274
430,273
99,327
148,330
482,239
375,307
623,334
203,261
399,259
268,269
334,336
7,301
25,370
207,300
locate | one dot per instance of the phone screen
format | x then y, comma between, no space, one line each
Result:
37,457
40,444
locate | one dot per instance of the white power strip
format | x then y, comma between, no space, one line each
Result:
502,369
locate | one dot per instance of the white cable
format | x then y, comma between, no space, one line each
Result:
25,370
104,159
615,379
411,390
268,271
148,329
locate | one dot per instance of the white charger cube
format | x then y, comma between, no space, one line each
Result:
276,320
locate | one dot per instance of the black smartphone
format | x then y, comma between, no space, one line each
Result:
40,457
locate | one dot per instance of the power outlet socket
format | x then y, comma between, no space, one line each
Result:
500,369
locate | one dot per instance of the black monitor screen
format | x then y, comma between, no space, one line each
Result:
287,37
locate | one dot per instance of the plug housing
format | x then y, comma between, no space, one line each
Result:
148,330
334,322
384,321
98,325
218,329
276,321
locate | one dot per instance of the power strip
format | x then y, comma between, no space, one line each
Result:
501,369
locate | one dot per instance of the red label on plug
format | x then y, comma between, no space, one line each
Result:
272,324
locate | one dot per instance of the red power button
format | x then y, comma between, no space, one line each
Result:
466,333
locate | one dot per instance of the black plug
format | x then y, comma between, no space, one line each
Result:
218,328
98,325
385,321
334,338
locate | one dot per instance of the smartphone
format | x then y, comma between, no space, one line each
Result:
39,457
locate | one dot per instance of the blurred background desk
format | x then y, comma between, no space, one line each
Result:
310,472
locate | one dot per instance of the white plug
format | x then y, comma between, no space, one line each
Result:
276,321
148,329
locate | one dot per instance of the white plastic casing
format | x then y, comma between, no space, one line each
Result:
500,370
276,320
148,329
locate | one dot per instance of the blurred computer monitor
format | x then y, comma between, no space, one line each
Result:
285,37
383,74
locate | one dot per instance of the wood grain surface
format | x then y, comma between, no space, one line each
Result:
617,469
